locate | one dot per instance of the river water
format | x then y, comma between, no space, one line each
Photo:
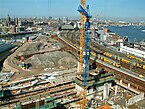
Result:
16,37
134,33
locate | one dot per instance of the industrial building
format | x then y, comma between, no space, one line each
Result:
133,51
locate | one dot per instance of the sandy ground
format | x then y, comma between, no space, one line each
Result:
45,56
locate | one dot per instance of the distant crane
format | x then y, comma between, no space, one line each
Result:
84,49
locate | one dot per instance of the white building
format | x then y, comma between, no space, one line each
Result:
128,50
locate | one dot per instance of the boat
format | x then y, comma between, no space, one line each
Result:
143,30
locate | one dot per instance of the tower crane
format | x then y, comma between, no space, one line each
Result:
84,49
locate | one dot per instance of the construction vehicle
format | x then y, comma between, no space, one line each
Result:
135,61
107,60
139,65
133,57
143,67
141,76
125,61
130,57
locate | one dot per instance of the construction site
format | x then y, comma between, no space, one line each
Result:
53,80
59,71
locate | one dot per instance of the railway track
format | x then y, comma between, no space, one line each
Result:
138,84
134,82
100,50
97,47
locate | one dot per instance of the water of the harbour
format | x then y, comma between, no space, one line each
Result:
134,33
16,37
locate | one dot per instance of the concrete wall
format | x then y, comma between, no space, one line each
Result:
135,99
91,91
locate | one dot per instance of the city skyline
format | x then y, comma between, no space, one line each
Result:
129,10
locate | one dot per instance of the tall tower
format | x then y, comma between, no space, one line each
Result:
17,21
14,21
8,20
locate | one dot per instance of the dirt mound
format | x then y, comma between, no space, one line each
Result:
29,48
53,60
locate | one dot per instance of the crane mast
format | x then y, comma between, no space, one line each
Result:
82,34
84,49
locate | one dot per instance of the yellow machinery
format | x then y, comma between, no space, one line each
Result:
82,34
82,40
